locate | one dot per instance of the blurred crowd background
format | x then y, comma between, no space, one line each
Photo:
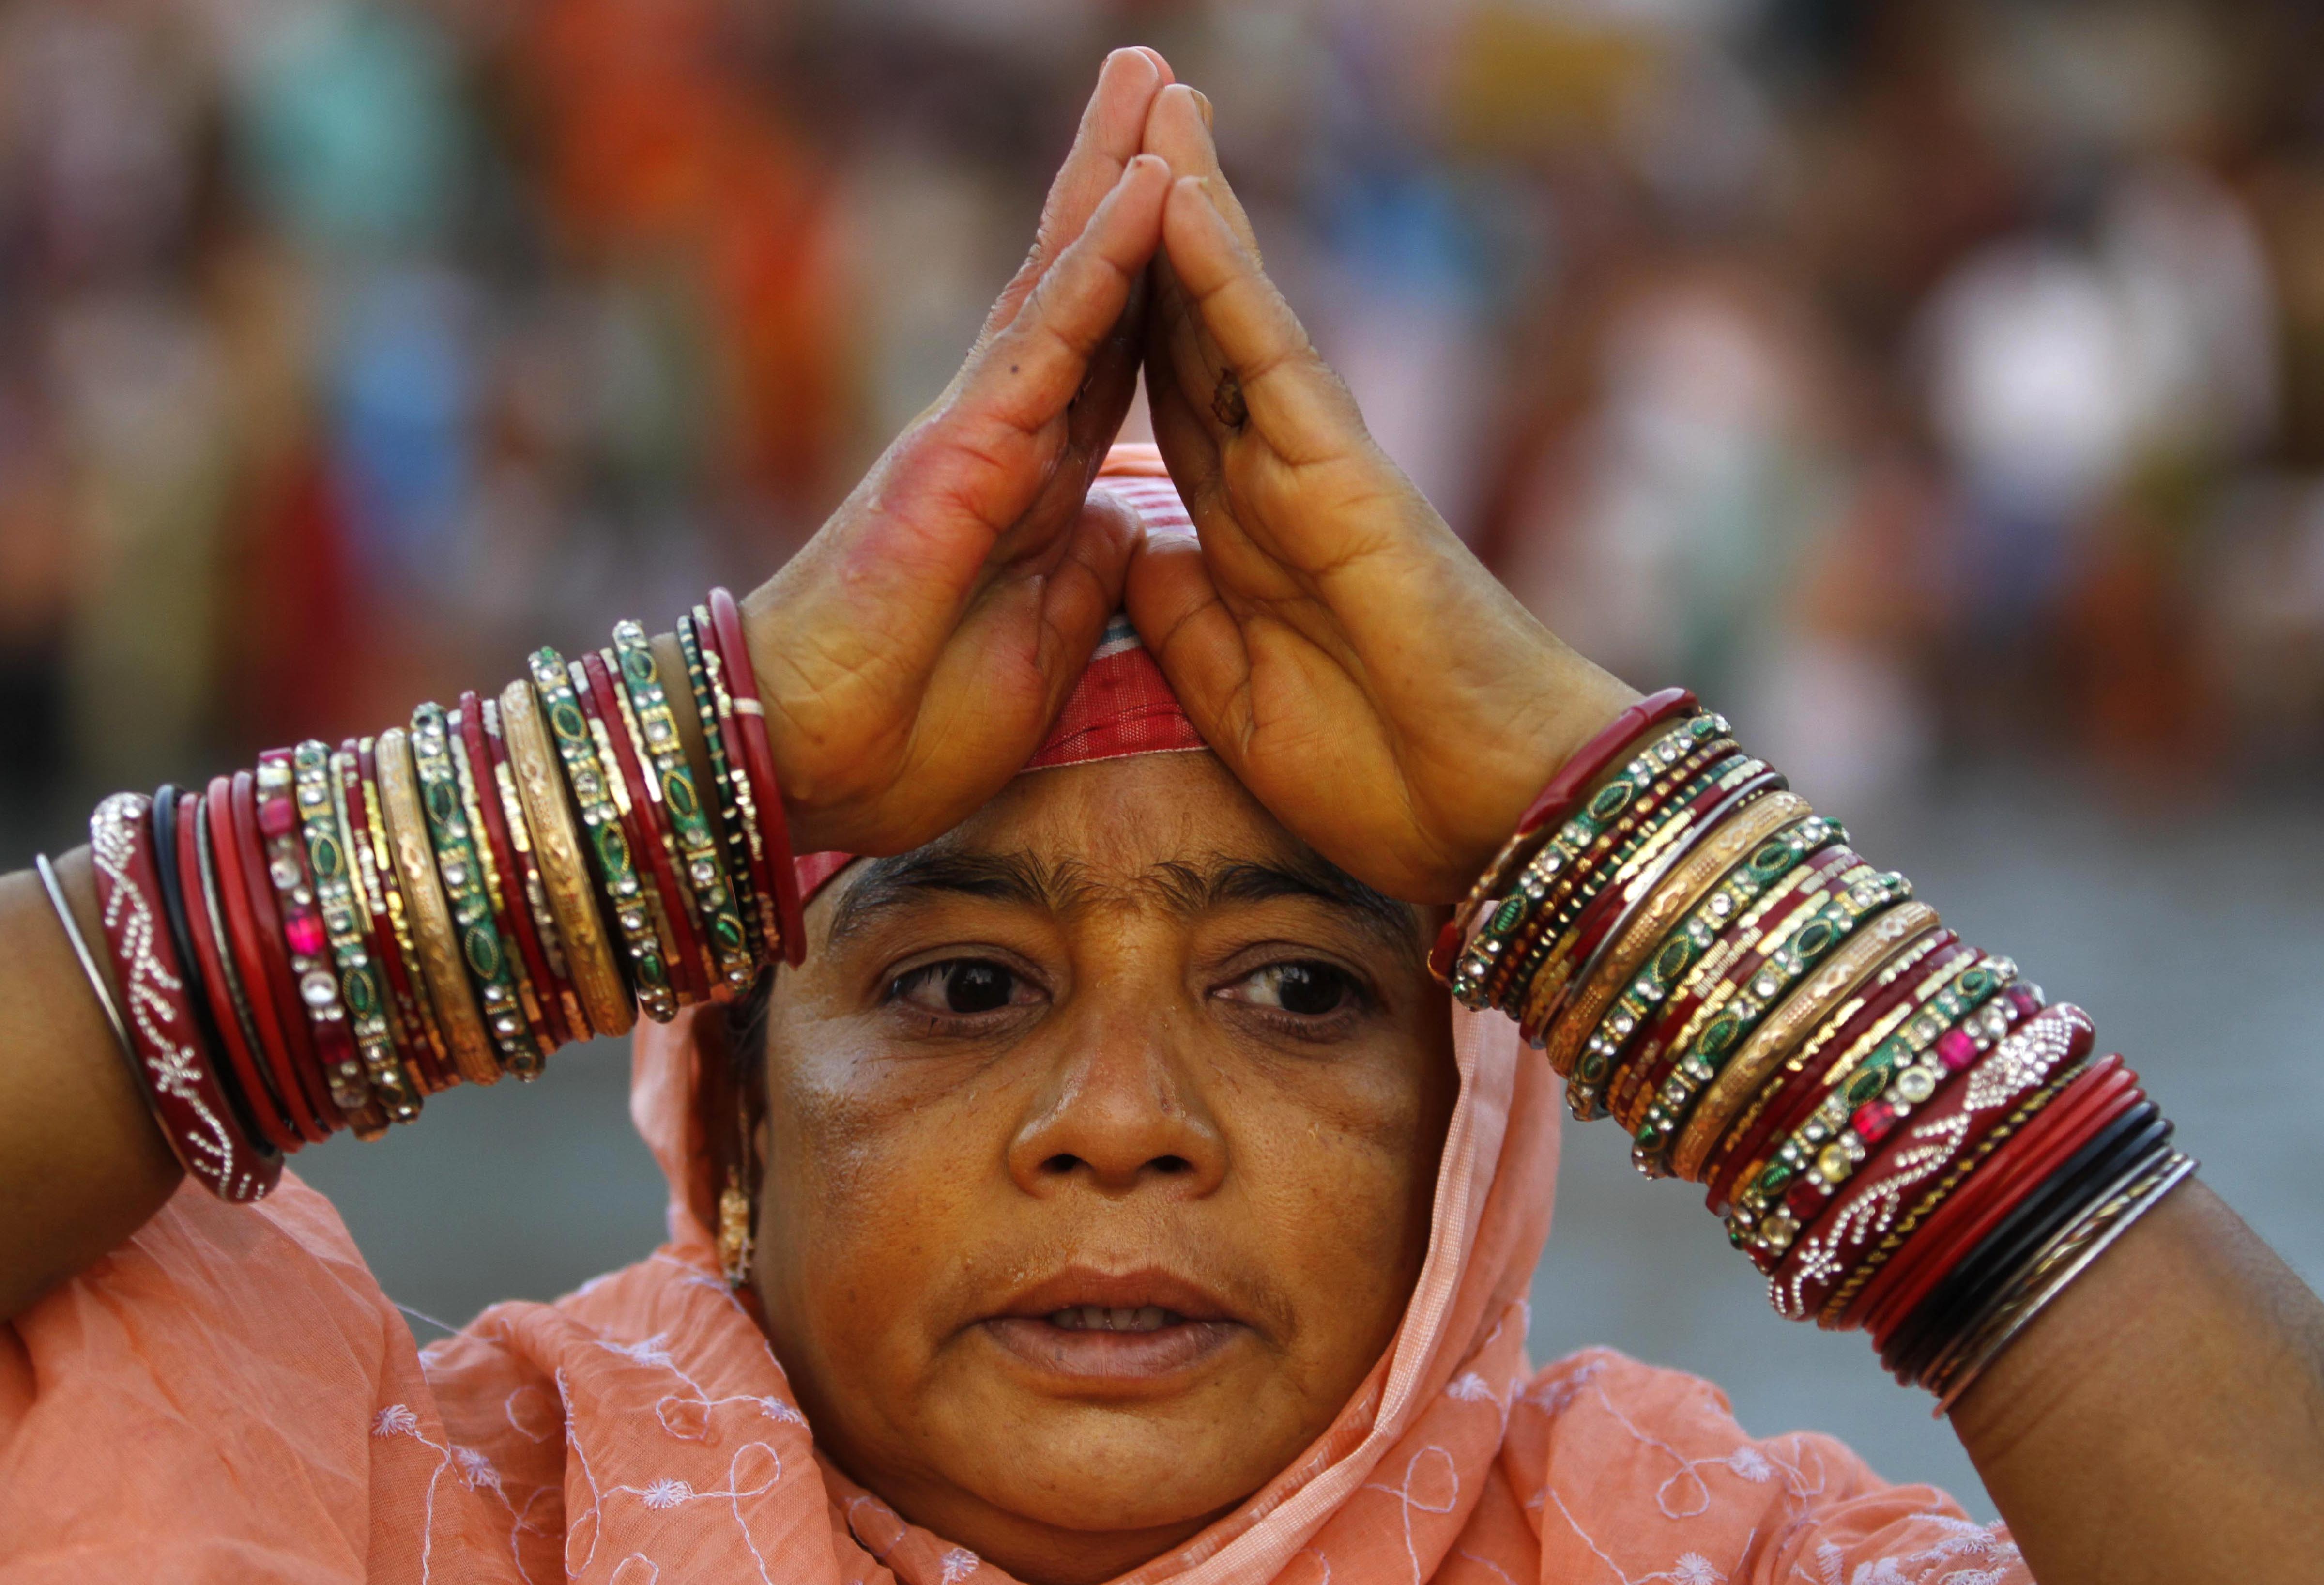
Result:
1922,381
1938,387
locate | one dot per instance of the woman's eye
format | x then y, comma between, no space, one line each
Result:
1307,989
962,986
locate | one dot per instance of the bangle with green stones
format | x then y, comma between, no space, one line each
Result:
323,821
1544,952
698,848
598,794
1482,964
457,867
1671,963
1824,1143
1530,928
1785,964
756,912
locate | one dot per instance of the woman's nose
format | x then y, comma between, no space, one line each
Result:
1119,1111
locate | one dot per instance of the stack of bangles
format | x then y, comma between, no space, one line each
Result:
325,940
1900,1132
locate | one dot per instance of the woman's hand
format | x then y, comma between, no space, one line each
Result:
912,655
1357,667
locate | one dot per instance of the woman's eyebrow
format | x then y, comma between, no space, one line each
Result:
1223,881
910,878
1188,887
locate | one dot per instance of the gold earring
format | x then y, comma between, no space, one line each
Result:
734,1230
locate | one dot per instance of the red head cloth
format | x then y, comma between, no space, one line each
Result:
1122,705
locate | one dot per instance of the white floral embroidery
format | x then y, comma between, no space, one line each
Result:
959,1563
1471,1389
1694,1569
774,1408
475,1469
666,1494
1750,1463
395,1419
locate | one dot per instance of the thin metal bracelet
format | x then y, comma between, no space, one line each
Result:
2088,1237
88,966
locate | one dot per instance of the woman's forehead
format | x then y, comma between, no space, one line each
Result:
1175,828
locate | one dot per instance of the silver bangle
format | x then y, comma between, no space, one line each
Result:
88,965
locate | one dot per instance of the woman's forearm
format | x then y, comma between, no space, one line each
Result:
82,1164
2163,1419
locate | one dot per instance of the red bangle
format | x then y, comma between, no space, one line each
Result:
758,765
1583,766
1834,1240
266,970
1803,1090
339,1065
511,904
410,1022
196,884
181,1084
2001,1183
684,953
753,853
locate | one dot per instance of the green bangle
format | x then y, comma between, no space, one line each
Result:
323,821
609,850
457,867
754,911
699,862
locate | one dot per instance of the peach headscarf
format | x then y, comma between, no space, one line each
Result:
229,1394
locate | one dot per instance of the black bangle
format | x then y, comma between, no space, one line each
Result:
164,815
1970,1288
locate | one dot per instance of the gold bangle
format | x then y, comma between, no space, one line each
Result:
379,867
557,849
1695,874
1804,1009
457,1013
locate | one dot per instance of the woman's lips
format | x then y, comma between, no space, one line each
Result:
1153,1345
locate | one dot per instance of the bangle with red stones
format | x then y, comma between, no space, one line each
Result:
758,764
330,863
1841,1226
304,1069
1912,976
303,933
181,1083
1983,1199
513,920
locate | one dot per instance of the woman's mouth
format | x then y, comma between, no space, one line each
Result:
1123,1331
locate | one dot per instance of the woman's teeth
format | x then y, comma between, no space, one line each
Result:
1098,1318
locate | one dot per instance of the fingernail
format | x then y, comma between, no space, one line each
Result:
1202,102
1144,57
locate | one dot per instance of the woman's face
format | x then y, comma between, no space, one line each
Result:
1101,1139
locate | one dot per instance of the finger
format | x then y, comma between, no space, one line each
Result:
1176,606
1112,126
1028,374
1283,385
1178,127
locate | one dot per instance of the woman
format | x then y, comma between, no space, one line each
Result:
1104,1171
